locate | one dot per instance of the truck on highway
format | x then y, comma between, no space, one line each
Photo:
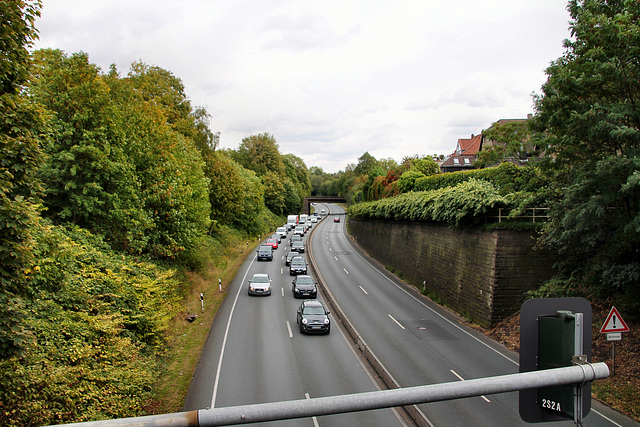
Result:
292,221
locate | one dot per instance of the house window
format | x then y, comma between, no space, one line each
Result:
467,161
456,161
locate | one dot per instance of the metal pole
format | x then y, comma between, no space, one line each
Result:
400,397
306,408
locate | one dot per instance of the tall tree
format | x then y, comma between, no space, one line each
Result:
590,114
590,106
260,154
22,126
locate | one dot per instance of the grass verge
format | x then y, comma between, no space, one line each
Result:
187,339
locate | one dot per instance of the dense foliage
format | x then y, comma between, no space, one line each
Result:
590,114
111,188
460,205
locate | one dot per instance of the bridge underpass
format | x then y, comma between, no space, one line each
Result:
306,206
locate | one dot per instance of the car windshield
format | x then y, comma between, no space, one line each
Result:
313,310
260,279
304,280
298,261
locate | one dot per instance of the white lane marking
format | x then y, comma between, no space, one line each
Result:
289,329
315,420
431,309
366,293
226,336
397,323
345,270
336,258
462,379
282,291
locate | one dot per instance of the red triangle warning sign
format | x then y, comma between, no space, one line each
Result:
614,323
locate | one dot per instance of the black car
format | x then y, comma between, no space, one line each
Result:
304,286
290,256
265,253
313,318
297,266
298,246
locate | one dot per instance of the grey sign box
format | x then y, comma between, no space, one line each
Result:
530,312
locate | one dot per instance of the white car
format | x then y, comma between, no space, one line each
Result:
260,284
282,231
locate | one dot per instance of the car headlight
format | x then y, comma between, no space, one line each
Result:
304,321
326,321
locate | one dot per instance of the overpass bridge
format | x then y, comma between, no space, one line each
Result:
306,205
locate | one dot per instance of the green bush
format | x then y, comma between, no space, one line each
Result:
463,204
94,322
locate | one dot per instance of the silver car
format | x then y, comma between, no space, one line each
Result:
260,284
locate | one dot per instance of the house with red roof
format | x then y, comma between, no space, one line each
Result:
466,152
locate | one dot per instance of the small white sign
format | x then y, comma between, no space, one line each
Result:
616,336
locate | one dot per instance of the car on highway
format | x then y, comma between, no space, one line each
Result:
265,253
304,286
336,219
298,246
299,230
276,237
273,243
297,266
296,238
282,232
313,317
290,256
260,284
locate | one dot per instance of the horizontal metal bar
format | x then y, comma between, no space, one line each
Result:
400,397
306,408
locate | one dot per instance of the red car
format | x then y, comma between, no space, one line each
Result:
336,219
273,243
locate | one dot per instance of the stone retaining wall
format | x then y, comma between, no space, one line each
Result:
482,275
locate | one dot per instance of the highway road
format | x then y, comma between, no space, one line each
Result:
256,354
419,342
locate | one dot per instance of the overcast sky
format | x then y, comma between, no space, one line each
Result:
330,79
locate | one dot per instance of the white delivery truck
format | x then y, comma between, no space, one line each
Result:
292,221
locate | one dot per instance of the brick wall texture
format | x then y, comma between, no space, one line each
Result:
482,275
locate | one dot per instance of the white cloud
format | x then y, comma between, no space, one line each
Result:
332,79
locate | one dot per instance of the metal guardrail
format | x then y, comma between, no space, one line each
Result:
536,215
306,408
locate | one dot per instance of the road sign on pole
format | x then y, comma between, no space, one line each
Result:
613,327
614,323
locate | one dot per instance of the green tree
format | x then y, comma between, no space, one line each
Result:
235,193
366,162
511,139
89,177
590,107
22,126
427,166
260,154
589,113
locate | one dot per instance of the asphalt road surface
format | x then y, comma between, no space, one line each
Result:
255,353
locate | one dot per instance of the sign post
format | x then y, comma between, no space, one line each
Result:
554,333
613,326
